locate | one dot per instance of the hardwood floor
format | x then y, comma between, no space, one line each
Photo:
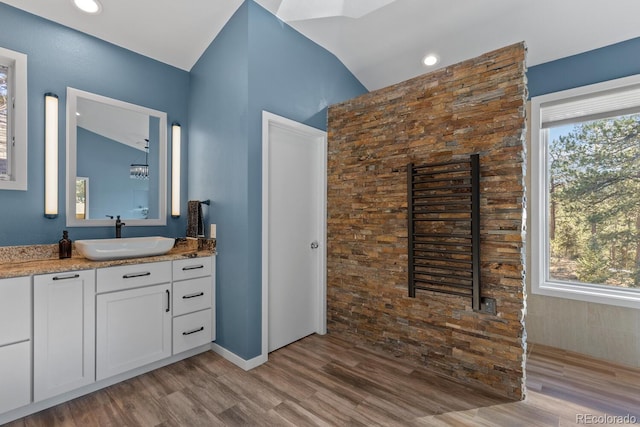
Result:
325,381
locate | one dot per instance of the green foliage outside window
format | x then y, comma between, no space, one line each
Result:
594,206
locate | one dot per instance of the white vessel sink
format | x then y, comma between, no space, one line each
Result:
131,247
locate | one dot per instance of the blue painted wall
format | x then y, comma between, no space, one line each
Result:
595,66
59,57
255,63
218,169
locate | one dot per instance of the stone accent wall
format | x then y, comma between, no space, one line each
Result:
477,106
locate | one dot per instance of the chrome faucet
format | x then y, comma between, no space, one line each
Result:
119,225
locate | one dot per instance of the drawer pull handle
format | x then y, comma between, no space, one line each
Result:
168,300
194,331
193,295
193,267
71,276
134,275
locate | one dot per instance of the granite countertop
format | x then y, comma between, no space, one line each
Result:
16,261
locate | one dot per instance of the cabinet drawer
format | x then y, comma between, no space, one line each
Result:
191,268
15,371
15,310
191,295
133,276
191,330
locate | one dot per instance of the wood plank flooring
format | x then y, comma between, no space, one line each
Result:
325,381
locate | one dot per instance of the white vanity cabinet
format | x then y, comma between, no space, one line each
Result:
63,332
193,302
67,334
133,324
15,343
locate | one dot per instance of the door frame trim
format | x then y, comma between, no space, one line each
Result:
269,120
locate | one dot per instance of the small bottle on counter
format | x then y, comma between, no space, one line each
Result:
65,245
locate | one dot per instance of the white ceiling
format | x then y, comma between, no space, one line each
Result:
380,48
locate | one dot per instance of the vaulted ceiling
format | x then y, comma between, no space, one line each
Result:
380,48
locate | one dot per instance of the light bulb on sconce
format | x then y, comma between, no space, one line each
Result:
50,155
175,169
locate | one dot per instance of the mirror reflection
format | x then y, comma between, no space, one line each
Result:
116,161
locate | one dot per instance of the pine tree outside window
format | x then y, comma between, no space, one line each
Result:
585,195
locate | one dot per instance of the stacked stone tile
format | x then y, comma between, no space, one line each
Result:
477,106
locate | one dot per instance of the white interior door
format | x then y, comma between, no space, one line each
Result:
294,229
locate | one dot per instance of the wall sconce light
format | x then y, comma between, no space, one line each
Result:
50,155
175,169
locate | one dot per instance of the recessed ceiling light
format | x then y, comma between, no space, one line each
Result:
89,6
430,60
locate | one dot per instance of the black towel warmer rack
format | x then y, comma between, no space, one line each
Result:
443,203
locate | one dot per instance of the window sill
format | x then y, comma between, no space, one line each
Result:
621,297
13,185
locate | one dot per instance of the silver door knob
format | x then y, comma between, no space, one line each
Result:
314,245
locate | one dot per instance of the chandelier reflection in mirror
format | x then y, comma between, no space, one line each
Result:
139,170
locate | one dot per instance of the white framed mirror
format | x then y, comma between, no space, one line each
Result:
121,148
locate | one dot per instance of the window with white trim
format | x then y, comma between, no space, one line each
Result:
585,193
13,120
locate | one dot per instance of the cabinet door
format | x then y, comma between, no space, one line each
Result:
15,343
213,298
15,371
63,332
133,328
15,310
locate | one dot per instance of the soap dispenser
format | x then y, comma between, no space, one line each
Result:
65,245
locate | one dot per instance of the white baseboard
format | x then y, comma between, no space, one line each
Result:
237,360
